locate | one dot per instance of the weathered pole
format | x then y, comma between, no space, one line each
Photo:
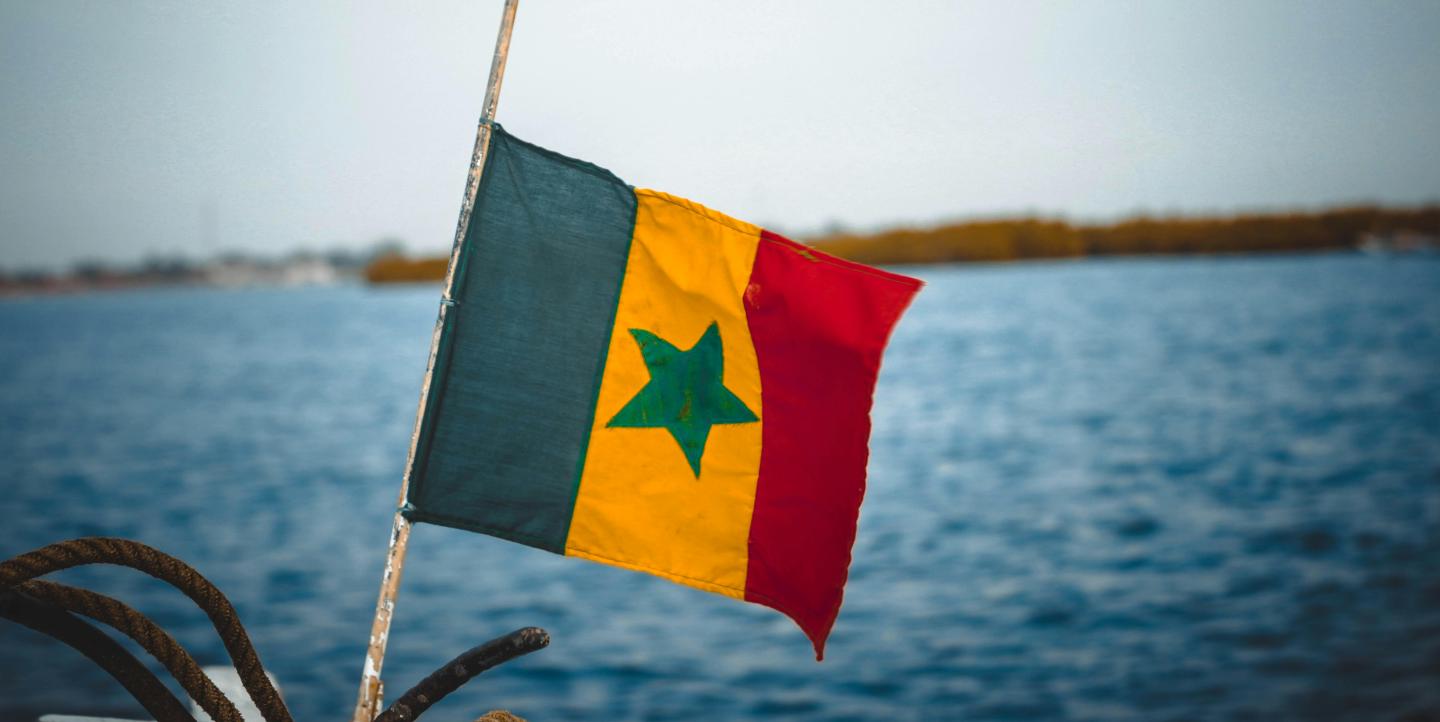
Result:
371,690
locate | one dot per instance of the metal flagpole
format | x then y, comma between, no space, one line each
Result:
371,690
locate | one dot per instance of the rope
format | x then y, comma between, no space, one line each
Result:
123,552
46,607
499,715
101,649
450,676
147,634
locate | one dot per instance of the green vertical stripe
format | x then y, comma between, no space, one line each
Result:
513,396
600,375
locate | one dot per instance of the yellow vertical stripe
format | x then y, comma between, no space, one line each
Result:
639,503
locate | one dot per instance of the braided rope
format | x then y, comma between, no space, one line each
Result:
101,649
43,606
123,552
499,715
147,634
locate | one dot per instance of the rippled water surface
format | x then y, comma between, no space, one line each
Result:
1158,489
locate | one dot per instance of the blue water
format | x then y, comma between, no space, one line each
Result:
1110,490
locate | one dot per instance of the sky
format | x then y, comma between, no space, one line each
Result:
133,129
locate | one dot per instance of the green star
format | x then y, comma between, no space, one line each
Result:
686,394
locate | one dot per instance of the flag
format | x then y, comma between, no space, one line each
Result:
631,378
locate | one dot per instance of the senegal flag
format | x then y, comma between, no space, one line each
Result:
635,379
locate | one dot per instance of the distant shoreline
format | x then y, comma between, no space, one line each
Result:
1024,239
1362,228
1357,228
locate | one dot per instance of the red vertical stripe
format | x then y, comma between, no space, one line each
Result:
819,325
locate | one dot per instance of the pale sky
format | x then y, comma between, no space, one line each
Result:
129,128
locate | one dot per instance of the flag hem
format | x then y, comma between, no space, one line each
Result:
692,582
528,540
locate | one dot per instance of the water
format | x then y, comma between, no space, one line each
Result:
1110,490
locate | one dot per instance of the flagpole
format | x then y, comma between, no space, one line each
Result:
367,707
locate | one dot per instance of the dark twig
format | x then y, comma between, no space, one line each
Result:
462,669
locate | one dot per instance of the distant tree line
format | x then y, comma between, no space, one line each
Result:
1024,238
396,268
